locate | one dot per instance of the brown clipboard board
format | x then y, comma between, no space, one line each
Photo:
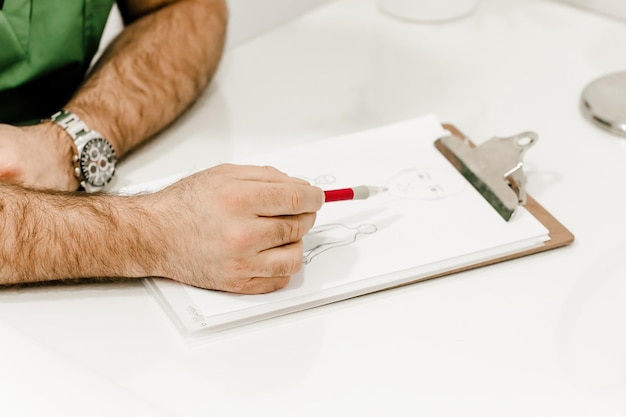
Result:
559,235
178,306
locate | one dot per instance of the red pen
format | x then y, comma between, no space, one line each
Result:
355,193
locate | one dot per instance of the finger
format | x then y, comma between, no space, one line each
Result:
281,261
274,232
263,285
257,173
274,199
271,270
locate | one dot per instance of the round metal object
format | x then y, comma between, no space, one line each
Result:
603,102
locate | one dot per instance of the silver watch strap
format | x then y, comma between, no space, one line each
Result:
71,123
75,127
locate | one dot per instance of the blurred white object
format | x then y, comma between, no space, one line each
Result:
612,8
428,10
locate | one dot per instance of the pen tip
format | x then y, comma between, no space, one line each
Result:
378,190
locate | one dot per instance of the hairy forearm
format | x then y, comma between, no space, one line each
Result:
153,71
231,228
52,236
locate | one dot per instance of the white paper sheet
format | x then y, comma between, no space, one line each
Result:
431,220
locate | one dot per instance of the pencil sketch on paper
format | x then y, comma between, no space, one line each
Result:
425,184
420,183
415,182
322,238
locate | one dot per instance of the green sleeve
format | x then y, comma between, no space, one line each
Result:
49,47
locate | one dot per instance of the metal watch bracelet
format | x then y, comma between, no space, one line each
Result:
94,157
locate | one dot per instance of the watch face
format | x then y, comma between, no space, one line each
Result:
97,162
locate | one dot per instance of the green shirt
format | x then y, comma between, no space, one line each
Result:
46,47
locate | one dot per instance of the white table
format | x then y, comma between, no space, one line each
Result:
541,336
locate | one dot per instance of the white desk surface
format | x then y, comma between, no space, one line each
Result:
542,336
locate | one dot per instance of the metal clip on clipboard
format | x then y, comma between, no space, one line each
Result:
494,167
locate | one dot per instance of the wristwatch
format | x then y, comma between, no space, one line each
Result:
94,160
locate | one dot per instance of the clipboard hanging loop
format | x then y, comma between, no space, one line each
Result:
494,168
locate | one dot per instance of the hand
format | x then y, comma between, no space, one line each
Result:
38,156
235,228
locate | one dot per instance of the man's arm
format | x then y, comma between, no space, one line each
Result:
231,228
158,65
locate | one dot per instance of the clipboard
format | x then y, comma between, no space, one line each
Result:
201,314
559,235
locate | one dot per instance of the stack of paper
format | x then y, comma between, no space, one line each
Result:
430,221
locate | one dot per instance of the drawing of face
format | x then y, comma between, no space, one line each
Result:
425,184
